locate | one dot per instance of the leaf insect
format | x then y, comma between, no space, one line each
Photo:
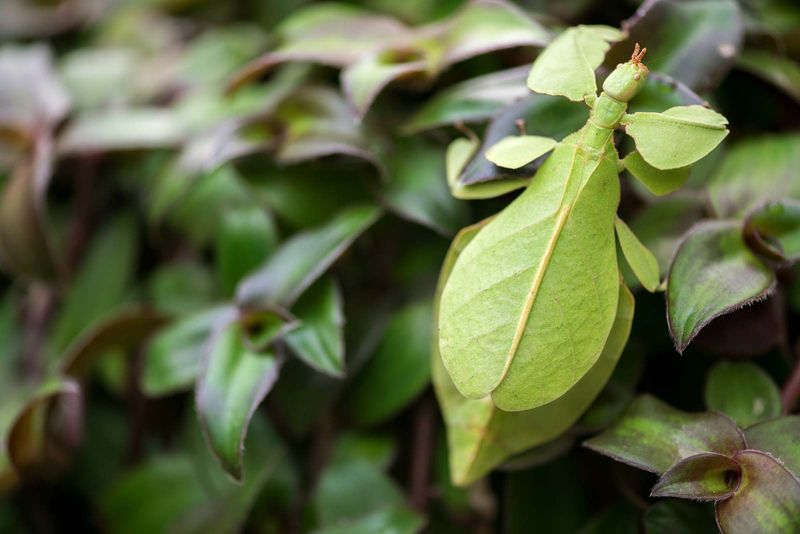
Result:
531,300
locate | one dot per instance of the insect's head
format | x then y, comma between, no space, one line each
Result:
627,78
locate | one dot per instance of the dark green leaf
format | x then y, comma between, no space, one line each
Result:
246,238
744,392
302,259
102,282
319,340
712,273
390,520
418,189
398,371
654,436
172,359
755,171
232,383
781,71
694,42
473,100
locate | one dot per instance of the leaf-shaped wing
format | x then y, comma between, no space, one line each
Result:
513,152
566,67
677,137
532,298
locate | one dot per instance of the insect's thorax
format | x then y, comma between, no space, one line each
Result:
605,116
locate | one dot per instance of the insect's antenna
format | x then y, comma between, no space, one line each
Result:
638,54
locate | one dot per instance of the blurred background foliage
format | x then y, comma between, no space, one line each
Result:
221,227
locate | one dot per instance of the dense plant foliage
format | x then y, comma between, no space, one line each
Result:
378,267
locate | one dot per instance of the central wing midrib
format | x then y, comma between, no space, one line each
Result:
530,298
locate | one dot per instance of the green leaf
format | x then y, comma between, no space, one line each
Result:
231,385
712,273
639,258
319,340
96,77
756,171
245,239
694,42
181,287
657,181
704,477
172,359
365,79
130,506
743,392
471,100
782,72
779,438
122,130
102,282
767,499
661,225
398,371
417,191
351,489
774,230
565,248
566,67
303,259
394,520
654,436
679,517
480,436
514,152
676,137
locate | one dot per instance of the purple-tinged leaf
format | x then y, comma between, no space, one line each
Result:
712,273
780,71
767,500
703,477
654,436
779,437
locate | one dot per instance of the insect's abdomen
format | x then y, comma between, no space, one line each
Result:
532,298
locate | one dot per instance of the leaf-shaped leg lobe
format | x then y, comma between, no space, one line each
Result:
532,298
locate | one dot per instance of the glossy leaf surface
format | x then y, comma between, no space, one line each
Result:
743,392
654,436
712,273
703,477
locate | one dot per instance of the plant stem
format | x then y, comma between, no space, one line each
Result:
791,389
422,453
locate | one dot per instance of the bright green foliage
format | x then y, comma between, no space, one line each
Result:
742,391
516,152
459,153
566,67
677,137
640,260
481,436
713,273
657,181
